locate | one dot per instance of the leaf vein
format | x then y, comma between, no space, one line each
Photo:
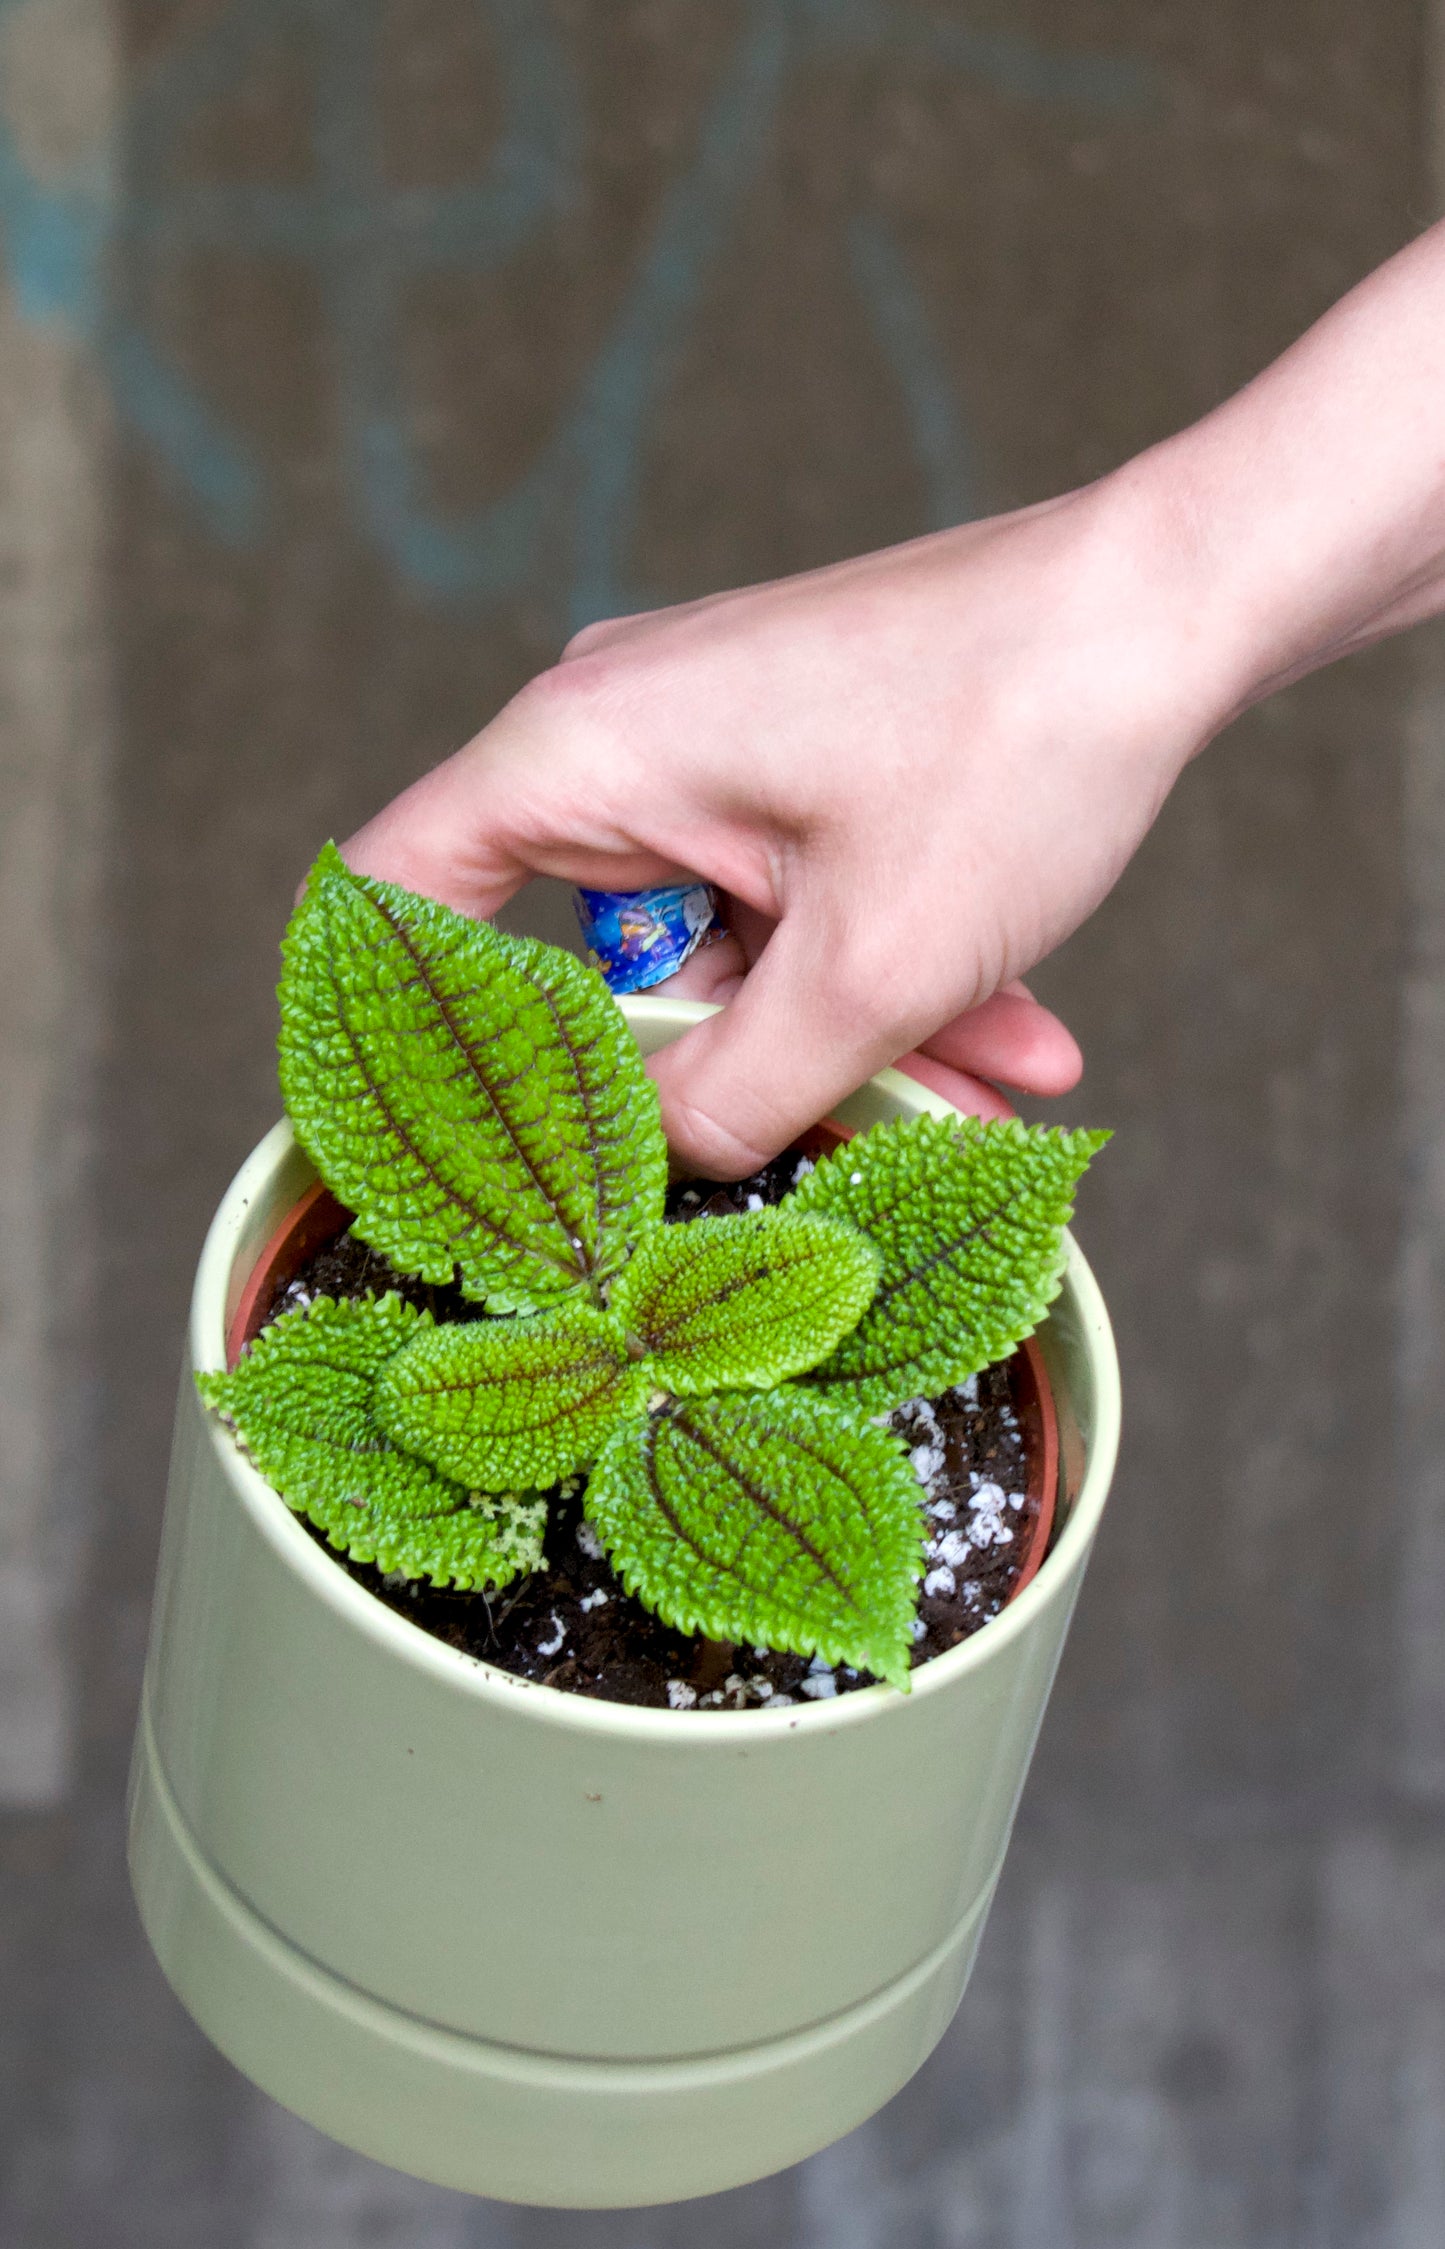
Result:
946,1250
765,1506
580,1264
476,1216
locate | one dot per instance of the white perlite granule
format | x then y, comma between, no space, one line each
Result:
986,1526
926,1462
952,1549
597,1600
589,1542
820,1686
940,1581
680,1696
550,1647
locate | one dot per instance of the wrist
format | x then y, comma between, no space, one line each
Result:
1181,652
1307,512
1222,636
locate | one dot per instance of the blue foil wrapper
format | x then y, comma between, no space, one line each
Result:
641,937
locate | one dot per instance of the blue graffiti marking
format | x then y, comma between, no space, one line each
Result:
225,481
52,234
367,241
939,436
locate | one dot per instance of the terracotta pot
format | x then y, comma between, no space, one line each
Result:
531,1945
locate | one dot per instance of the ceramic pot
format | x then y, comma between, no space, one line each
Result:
538,1947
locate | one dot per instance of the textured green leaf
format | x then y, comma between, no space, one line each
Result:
503,1402
300,1402
744,1302
969,1219
776,1520
476,1099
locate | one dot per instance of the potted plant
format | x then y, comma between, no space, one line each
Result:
524,1941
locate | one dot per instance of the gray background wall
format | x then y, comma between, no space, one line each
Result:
350,355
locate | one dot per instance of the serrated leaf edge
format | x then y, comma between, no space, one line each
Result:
880,1393
371,1530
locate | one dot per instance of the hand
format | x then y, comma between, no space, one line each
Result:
912,774
1008,1041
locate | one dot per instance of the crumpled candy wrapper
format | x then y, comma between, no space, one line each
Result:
641,937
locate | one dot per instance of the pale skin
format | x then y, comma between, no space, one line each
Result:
915,773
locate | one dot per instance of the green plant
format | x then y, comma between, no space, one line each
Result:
478,1102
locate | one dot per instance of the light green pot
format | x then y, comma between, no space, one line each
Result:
548,1949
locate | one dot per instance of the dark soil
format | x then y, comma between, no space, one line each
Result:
572,1625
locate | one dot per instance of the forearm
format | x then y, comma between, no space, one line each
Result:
1307,514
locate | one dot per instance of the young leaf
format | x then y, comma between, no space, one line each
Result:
745,1302
503,1402
301,1404
776,1520
969,1219
476,1099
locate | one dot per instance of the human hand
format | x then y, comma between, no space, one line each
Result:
912,775
1007,1041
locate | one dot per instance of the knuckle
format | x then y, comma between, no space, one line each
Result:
715,1149
591,636
561,689
868,973
602,634
566,707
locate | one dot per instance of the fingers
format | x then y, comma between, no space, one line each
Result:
814,1004
808,1025
738,1089
715,972
529,796
1011,1038
974,1096
436,838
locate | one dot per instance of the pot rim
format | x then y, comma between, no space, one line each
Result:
470,1674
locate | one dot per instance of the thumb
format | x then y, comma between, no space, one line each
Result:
806,1028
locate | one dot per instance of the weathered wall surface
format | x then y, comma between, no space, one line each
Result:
351,355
